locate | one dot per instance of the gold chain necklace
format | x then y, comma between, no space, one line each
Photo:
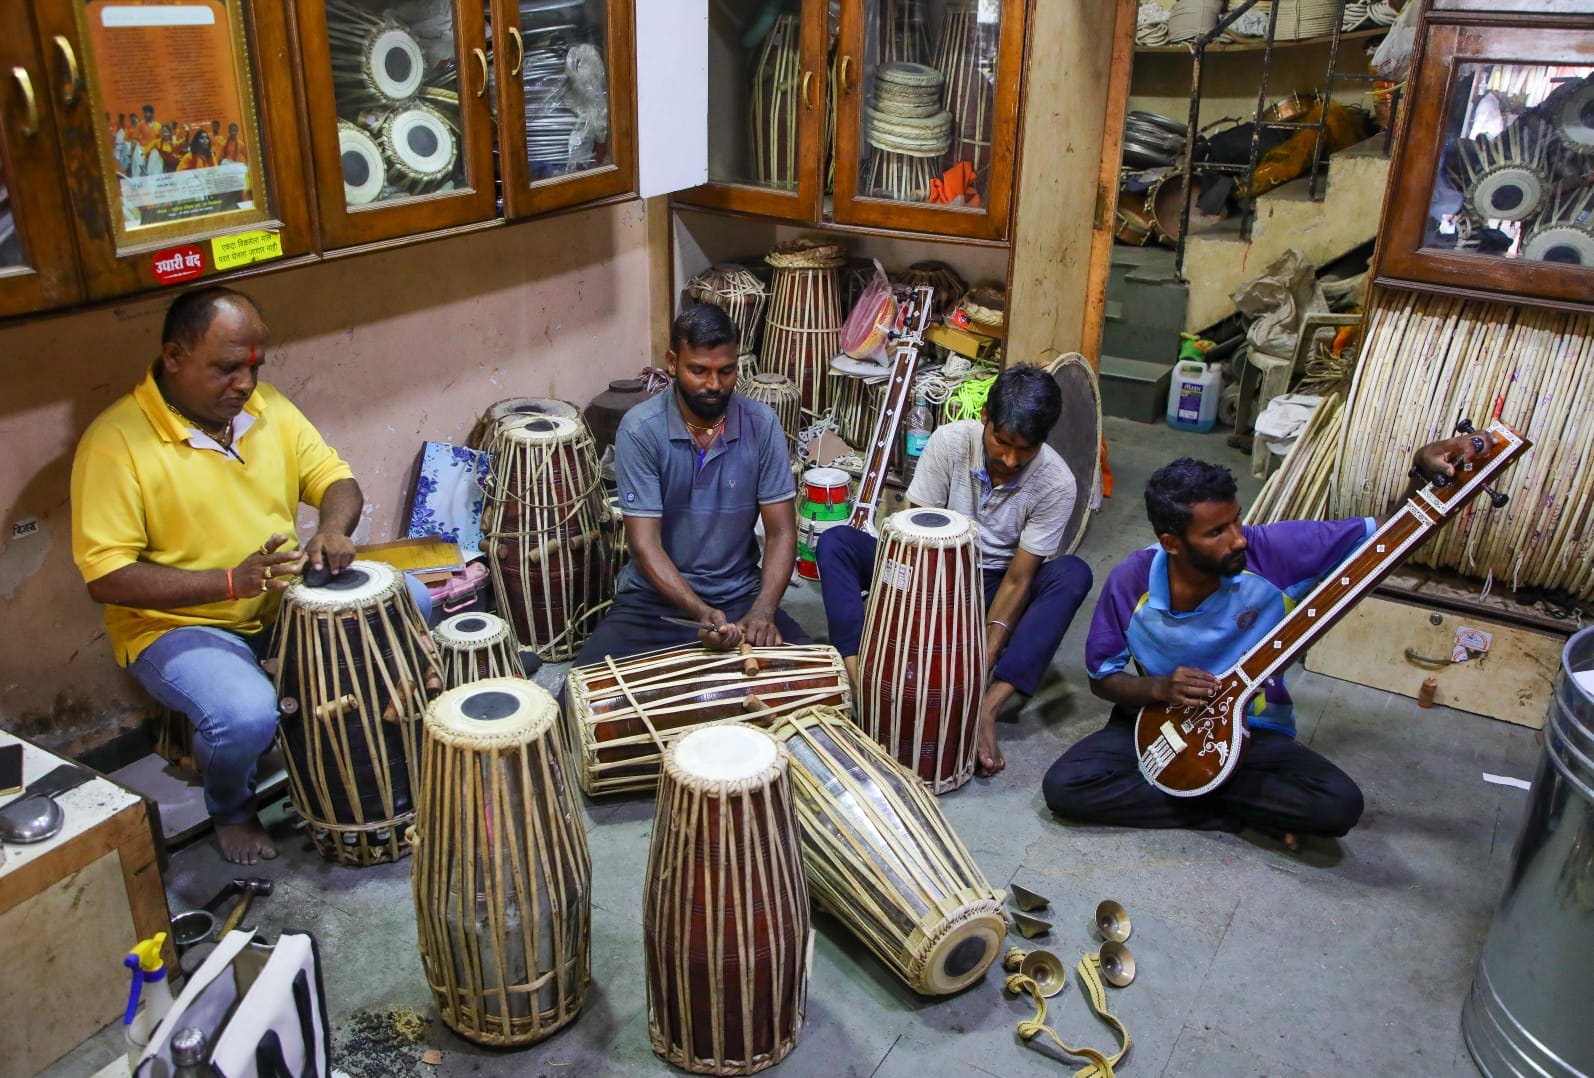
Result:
221,435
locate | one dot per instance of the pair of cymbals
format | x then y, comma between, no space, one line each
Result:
1117,963
1042,967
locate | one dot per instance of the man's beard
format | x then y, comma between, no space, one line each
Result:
709,406
1225,567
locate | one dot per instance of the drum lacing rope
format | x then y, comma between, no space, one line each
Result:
619,683
968,400
1099,1064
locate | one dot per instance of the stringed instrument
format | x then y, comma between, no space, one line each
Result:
913,307
1188,750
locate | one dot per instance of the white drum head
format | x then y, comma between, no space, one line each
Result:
827,477
725,753
1564,244
420,143
530,406
470,630
772,381
362,583
363,167
499,709
396,64
540,429
938,527
1574,118
1512,193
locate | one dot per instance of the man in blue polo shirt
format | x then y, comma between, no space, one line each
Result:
1186,610
697,468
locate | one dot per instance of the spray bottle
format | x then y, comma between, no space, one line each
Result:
149,998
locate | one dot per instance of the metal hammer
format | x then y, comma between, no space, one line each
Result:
252,886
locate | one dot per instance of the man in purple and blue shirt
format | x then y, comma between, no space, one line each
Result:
1187,609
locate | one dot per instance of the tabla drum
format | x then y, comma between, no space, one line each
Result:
552,570
354,671
501,875
375,61
474,646
364,171
420,147
780,393
725,917
826,503
1077,438
624,713
921,659
881,857
737,291
515,407
802,331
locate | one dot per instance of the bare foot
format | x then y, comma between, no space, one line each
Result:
244,843
988,756
1292,841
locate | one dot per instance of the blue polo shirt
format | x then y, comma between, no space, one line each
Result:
708,503
1283,562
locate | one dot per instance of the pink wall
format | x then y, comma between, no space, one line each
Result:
381,351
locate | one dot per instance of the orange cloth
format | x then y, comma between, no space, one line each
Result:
233,151
194,160
956,185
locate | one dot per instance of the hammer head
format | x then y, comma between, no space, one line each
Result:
257,885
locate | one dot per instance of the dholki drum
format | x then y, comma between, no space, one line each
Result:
725,915
551,570
475,646
623,714
1528,1011
881,857
501,874
826,503
921,659
513,408
354,672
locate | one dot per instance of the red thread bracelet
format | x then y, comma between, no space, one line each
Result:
233,595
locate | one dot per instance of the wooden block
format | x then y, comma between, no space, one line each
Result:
964,342
1394,646
427,552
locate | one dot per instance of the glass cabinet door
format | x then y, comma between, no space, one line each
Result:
399,114
767,92
928,114
37,261
566,72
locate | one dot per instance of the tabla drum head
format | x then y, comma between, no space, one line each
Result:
496,710
1076,437
1508,193
1567,245
531,406
962,956
363,168
827,478
730,753
419,143
539,429
1574,117
396,64
471,630
358,585
935,527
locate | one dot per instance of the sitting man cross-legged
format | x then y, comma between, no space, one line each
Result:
999,471
698,466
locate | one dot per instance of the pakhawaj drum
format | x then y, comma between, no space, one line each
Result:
473,646
921,659
354,670
881,857
725,918
803,329
624,714
501,874
552,565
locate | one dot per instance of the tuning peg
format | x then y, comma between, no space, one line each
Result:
1422,477
1464,426
1498,498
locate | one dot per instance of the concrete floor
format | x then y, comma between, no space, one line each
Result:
1352,956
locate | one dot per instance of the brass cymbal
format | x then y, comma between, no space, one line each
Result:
1028,900
1117,964
1112,921
1030,927
1046,970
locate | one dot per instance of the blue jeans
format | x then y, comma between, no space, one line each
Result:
213,676
846,567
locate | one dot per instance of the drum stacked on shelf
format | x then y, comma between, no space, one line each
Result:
857,403
908,132
880,856
947,287
552,567
475,646
921,660
725,919
826,503
623,714
737,291
481,437
354,671
780,393
803,329
502,877
777,84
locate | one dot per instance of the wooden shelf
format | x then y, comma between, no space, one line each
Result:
1256,44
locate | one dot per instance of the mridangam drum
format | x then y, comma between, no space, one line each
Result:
552,570
921,659
803,329
516,407
475,646
725,916
354,670
501,875
880,856
625,713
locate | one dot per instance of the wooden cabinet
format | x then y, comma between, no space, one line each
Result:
411,123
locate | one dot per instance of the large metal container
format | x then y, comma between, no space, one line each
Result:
1531,1010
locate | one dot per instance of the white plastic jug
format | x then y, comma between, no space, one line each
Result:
1193,392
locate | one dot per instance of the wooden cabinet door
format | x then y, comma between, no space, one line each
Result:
768,86
401,126
927,114
150,96
566,74
38,266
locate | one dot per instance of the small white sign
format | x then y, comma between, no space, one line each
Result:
25,527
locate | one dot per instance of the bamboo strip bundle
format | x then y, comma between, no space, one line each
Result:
1299,488
966,54
903,34
776,98
802,331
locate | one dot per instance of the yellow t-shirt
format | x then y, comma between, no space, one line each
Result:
142,492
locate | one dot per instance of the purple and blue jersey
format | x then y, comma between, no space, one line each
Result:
1283,562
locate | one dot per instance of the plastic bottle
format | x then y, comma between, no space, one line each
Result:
1194,388
149,997
916,432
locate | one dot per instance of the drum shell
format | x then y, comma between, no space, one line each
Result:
1526,1013
464,662
727,940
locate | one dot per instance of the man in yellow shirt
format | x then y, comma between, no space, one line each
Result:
184,495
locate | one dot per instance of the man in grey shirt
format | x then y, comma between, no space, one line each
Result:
697,468
999,471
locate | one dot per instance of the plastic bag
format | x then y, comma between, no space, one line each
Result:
868,327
